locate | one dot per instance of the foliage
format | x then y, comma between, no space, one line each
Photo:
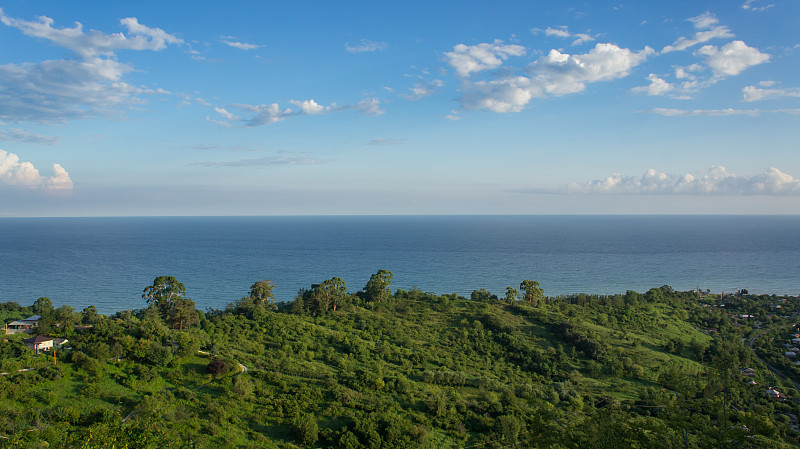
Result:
411,369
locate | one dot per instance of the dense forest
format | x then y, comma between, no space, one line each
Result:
406,369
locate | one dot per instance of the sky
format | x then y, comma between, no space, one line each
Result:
369,107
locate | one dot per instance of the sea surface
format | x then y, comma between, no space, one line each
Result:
107,262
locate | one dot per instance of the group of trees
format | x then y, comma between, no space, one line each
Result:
408,369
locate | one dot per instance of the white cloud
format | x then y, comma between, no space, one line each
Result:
368,106
453,115
748,5
560,73
16,173
554,74
265,114
581,38
733,58
311,107
558,32
704,112
657,86
468,59
365,45
90,44
709,28
18,135
509,94
240,45
753,93
717,181
423,89
564,33
56,91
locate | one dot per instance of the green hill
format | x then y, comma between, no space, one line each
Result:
409,369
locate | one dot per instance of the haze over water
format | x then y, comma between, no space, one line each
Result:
108,261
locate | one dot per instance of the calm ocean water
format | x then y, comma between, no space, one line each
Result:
108,261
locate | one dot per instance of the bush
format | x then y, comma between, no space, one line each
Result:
218,367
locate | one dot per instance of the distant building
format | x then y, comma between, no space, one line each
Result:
41,343
25,326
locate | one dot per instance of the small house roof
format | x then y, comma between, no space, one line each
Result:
37,339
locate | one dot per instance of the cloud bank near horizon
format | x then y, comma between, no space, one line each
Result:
14,172
716,181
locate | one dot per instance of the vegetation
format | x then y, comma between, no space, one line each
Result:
409,369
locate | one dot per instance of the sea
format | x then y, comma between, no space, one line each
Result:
107,262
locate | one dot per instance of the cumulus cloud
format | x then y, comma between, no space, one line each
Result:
657,86
311,107
265,114
469,59
18,135
556,73
560,73
240,45
14,172
755,93
509,94
708,28
733,58
365,45
717,181
91,85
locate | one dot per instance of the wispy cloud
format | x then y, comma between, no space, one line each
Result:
422,89
14,172
385,142
240,45
267,161
755,93
563,32
265,114
716,181
751,5
365,45
90,85
669,112
708,28
18,135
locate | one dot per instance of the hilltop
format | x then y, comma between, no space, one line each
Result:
377,369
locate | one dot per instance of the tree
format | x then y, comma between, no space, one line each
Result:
182,313
329,295
262,292
43,306
90,315
162,293
533,293
512,294
377,288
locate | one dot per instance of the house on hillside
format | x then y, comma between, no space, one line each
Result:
25,326
41,343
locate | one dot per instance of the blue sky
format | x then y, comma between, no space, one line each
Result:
266,108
